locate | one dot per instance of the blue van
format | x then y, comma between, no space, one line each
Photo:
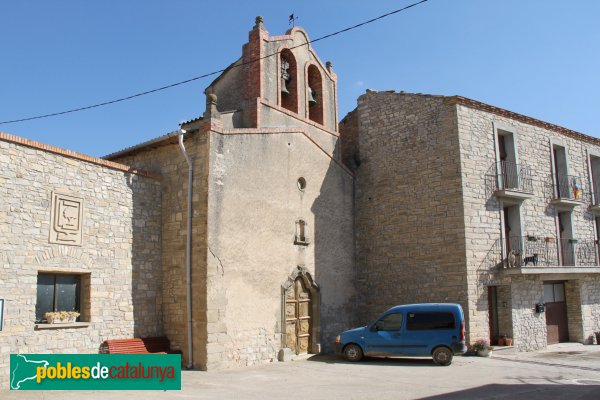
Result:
434,330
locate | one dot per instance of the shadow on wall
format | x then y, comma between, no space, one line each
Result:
335,271
146,277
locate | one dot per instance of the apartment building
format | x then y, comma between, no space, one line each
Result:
460,201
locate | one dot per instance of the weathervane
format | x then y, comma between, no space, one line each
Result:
292,20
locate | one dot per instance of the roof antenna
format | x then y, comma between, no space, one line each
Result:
292,20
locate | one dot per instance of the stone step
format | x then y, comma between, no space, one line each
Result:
503,350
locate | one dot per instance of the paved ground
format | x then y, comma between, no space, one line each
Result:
562,372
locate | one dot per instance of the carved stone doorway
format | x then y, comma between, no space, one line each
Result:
300,313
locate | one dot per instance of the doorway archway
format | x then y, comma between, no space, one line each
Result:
300,316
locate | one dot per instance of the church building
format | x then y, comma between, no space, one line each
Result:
265,227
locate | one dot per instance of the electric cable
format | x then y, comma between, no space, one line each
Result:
121,99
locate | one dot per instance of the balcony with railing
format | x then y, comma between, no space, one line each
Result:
511,181
534,252
568,191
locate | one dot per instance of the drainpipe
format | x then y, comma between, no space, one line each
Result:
188,250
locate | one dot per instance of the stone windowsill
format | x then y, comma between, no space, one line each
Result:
62,326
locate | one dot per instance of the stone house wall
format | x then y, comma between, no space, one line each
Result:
118,257
590,306
574,299
529,327
538,215
410,232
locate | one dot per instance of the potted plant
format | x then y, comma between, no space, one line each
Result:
531,238
482,347
508,341
550,239
502,340
61,317
573,241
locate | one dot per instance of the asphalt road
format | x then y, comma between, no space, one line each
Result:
564,372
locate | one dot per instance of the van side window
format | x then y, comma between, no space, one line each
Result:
420,321
392,322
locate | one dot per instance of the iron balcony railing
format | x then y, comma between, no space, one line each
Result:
515,177
535,251
568,187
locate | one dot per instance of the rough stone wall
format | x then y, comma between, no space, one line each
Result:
254,203
170,163
574,315
118,259
349,140
529,328
410,232
482,208
590,305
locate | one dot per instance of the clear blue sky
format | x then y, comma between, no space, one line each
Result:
536,57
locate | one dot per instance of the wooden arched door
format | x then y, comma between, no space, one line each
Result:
298,318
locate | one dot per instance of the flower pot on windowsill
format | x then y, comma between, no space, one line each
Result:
61,317
508,341
531,238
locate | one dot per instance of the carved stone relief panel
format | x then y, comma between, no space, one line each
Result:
66,218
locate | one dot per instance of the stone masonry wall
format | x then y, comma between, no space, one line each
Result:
590,305
529,328
574,314
118,258
410,233
349,142
170,163
483,210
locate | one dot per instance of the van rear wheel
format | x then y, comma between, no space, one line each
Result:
442,356
353,352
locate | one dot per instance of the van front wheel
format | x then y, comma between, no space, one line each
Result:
353,352
442,356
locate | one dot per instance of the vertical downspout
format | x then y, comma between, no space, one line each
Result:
188,250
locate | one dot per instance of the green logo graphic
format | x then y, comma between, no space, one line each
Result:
95,372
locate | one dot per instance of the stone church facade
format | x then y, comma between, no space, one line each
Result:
272,245
300,227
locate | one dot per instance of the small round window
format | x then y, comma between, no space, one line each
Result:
301,183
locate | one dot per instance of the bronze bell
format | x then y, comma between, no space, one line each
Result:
285,77
311,97
284,90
